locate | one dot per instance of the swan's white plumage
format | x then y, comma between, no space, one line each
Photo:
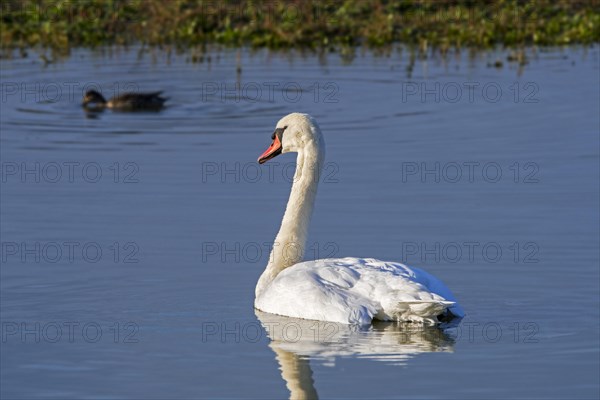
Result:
345,290
355,291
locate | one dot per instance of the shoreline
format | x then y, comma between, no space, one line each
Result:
332,27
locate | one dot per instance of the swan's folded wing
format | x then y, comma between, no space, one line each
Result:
315,290
404,293
355,290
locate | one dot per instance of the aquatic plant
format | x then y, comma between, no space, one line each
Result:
444,24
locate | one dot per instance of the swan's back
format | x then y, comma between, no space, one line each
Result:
356,291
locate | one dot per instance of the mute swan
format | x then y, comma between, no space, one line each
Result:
345,290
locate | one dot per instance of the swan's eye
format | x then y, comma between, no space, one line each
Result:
278,132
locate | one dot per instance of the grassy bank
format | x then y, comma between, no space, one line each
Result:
443,24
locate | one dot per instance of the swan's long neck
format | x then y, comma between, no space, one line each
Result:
288,248
297,374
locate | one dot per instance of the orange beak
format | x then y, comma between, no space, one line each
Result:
273,151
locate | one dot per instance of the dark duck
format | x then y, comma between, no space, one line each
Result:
126,102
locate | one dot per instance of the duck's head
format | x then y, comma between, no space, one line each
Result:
293,133
94,98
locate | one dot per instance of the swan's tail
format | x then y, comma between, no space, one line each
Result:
423,311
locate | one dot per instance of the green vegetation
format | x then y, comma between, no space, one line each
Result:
422,24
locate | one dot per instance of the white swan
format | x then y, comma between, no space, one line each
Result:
344,290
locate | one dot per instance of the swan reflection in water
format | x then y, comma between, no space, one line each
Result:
297,341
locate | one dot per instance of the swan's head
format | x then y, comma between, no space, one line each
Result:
293,133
